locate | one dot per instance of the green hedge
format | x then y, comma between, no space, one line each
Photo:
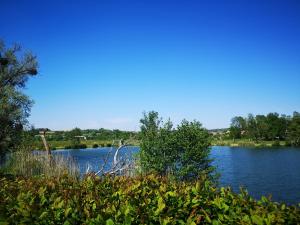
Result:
141,200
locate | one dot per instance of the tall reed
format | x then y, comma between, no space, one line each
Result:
28,164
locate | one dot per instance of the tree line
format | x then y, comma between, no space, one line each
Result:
270,127
90,134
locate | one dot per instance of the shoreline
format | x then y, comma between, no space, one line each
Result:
247,143
214,144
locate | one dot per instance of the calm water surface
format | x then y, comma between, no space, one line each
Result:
263,171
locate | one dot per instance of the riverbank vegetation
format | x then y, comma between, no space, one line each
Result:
27,164
139,200
269,130
249,143
78,138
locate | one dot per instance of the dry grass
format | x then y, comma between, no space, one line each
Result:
28,164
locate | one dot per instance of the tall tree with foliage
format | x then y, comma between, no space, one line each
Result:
192,143
237,127
294,130
157,153
73,135
262,126
182,152
252,131
16,66
274,126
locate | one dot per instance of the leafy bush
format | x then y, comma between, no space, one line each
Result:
95,145
182,152
139,200
81,146
77,146
276,143
288,144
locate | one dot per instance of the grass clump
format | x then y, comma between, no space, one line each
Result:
29,164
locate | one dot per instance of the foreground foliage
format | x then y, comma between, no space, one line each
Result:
140,200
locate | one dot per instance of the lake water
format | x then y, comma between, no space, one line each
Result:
262,171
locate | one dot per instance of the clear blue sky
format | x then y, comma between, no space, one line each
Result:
102,63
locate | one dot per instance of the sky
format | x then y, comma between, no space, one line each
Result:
103,63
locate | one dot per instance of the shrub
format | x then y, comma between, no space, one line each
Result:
139,200
78,146
288,143
182,152
262,144
82,146
276,143
95,145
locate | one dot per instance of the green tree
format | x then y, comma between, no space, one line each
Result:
294,130
262,126
73,135
274,126
192,144
283,124
252,131
183,152
157,153
237,127
16,66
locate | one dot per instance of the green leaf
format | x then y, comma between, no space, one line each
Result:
127,210
192,223
207,218
43,215
225,206
171,193
67,211
94,206
257,220
246,219
110,222
61,204
127,219
264,199
161,204
215,222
